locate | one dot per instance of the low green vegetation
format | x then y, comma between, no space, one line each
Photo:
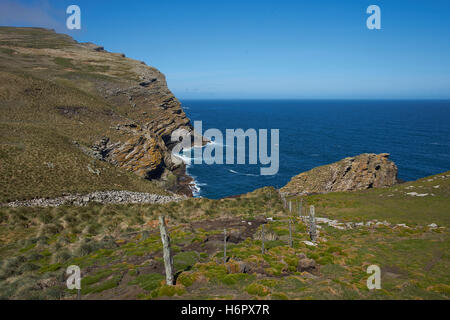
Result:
117,260
148,282
392,204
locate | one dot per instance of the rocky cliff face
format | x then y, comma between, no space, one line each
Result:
108,106
364,171
152,115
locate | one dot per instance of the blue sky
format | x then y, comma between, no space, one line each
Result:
268,49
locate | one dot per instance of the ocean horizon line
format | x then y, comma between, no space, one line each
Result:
314,99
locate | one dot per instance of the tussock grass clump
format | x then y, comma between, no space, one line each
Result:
258,290
87,246
148,282
268,235
185,260
61,256
11,266
28,266
50,229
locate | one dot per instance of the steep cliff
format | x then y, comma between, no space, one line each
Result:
73,112
364,171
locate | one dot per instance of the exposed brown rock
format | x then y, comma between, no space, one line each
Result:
234,266
141,155
306,264
364,171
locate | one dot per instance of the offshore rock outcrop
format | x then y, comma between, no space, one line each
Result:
364,171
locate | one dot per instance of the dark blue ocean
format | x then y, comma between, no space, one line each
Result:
318,132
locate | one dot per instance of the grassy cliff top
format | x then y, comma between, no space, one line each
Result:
55,91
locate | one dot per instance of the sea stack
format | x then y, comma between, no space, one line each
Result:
364,171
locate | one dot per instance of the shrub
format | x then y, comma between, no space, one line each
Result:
257,289
61,256
279,296
28,266
11,266
185,260
148,282
170,291
233,278
186,279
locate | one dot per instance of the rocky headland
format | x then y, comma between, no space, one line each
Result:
110,108
364,171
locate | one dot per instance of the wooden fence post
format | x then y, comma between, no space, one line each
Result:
300,210
168,262
291,244
312,224
262,239
224,245
290,206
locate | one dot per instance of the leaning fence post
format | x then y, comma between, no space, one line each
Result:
284,203
168,262
224,245
290,234
262,239
312,224
300,210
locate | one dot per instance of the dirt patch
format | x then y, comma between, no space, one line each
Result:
70,111
248,228
393,272
237,231
437,255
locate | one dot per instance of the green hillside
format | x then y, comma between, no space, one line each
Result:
118,248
